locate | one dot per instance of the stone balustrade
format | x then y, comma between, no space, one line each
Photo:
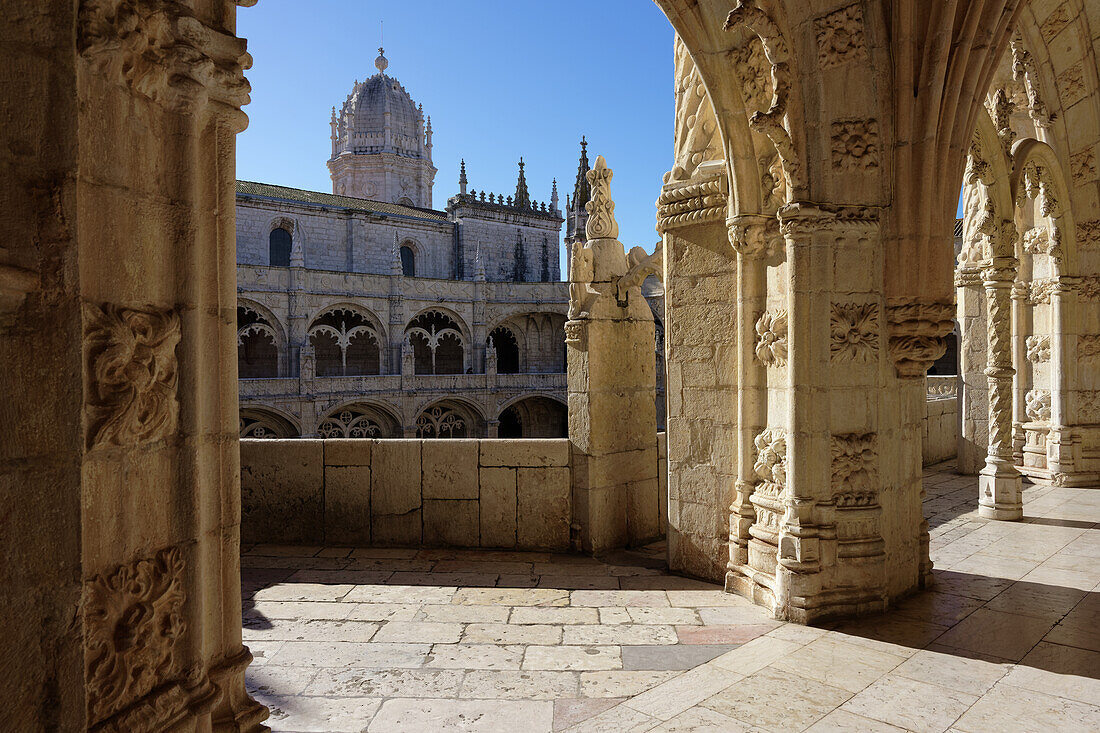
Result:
941,387
409,493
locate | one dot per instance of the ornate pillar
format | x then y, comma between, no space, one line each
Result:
761,343
611,382
973,397
1000,484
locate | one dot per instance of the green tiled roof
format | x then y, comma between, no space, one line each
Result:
297,195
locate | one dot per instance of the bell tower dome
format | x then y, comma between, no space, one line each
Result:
382,143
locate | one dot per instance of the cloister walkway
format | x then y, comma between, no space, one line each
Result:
437,640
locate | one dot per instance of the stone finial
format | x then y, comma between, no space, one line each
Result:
381,63
462,177
554,196
601,208
522,197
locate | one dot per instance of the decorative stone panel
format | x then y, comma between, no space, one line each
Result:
1071,85
1088,347
1082,167
917,332
855,145
855,470
1038,349
854,331
134,632
1037,403
131,372
840,37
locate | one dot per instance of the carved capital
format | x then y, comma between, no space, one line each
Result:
702,202
754,236
917,333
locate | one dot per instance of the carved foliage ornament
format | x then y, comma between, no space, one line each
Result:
917,333
134,631
601,208
1037,404
161,52
696,126
854,332
771,459
771,337
855,145
840,37
855,470
1088,347
131,368
1038,349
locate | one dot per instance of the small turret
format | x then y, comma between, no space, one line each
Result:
462,178
522,198
554,197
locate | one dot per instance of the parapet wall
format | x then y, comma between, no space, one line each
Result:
410,493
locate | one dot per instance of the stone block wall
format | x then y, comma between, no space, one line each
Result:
940,430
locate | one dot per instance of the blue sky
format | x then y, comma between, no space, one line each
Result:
501,79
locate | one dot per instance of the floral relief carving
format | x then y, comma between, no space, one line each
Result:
917,334
1037,404
134,630
696,126
854,469
161,51
1088,347
753,70
855,144
1088,405
1039,291
131,368
840,37
1082,167
1088,288
1088,233
771,457
854,332
1071,85
771,337
1038,349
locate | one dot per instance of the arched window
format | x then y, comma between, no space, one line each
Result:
408,262
257,346
345,344
442,421
437,344
279,247
511,426
504,341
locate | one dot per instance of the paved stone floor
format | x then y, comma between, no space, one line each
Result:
438,640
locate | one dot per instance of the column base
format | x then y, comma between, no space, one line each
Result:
1001,495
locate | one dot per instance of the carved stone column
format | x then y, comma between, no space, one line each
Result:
973,396
1000,484
611,378
761,343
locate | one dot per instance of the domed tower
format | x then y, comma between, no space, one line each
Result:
381,145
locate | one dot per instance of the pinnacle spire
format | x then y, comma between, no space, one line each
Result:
522,198
462,178
554,195
581,191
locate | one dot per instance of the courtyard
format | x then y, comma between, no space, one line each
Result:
372,639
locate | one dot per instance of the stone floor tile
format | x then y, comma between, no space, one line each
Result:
703,719
671,698
517,581
651,598
674,656
355,682
263,651
551,615
910,704
573,569
622,683
512,634
303,592
439,716
460,614
796,633
487,566
1006,706
519,685
1032,599
946,609
335,552
569,712
732,634
842,721
272,680
1010,568
664,582
634,571
320,714
271,550
334,610
512,597
966,584
837,663
1007,635
1059,670
675,616
340,577
475,656
614,615
387,553
953,671
776,700
311,630
579,582
432,578
400,594
756,654
735,614
1069,633
577,658
349,654
382,611
894,634
1057,577
707,598
393,565
415,632
624,634
619,719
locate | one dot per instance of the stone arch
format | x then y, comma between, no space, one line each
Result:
506,344
360,419
536,416
297,236
450,418
261,342
540,338
348,340
264,421
439,339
